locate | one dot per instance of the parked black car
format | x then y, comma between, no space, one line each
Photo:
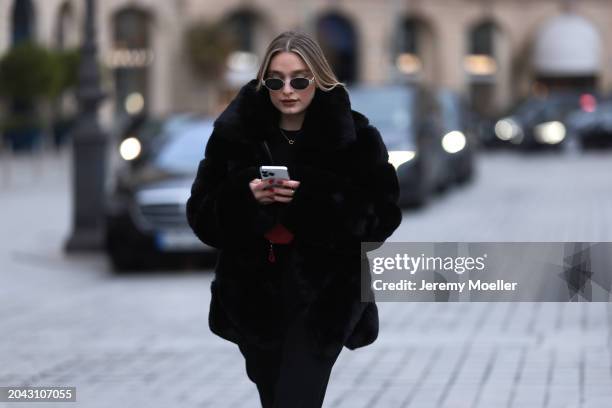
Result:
408,118
458,135
485,132
591,126
540,122
145,211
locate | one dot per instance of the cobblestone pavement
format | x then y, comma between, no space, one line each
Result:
142,340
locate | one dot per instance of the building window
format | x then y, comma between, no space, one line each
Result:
338,40
131,57
23,22
480,62
245,30
481,67
407,58
65,27
241,25
413,51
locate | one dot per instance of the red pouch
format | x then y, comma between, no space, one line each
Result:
279,235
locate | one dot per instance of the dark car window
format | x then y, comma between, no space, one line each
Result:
450,107
182,147
150,130
555,106
390,110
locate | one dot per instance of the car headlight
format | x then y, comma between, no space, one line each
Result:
399,157
453,142
508,129
130,148
550,132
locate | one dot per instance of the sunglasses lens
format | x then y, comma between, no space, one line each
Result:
299,83
274,84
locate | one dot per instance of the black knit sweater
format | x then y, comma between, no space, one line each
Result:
283,153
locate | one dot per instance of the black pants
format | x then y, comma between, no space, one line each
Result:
293,375
290,376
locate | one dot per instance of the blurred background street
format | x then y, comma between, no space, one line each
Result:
142,339
497,115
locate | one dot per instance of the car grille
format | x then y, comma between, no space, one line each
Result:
164,216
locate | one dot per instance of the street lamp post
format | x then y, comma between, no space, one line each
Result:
89,149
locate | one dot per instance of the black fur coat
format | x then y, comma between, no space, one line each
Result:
348,194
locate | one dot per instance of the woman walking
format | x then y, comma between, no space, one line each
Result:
287,287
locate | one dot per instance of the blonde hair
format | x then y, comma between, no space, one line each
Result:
308,49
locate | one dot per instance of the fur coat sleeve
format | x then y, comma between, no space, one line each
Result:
222,209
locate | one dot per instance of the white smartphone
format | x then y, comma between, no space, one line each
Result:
274,172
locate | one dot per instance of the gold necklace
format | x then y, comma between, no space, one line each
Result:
291,141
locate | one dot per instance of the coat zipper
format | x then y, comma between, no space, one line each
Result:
271,256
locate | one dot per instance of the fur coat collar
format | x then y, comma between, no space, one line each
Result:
329,121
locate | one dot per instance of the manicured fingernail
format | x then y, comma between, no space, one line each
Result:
270,181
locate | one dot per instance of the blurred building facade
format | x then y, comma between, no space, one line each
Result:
494,51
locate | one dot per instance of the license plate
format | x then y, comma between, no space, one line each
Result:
177,240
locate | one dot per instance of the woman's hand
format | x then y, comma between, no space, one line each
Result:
285,190
265,192
262,194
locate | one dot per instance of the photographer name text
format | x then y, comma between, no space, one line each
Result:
423,285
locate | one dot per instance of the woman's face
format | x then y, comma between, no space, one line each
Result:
288,65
